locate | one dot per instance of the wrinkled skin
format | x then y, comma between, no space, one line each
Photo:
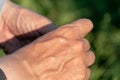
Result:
62,54
19,26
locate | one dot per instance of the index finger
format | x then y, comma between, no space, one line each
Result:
74,30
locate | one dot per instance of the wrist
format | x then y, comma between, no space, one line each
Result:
16,69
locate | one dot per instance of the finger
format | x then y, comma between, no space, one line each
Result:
88,74
74,30
84,26
86,45
22,21
90,58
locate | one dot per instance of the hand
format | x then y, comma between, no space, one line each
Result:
19,26
62,54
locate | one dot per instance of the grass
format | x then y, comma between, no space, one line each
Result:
1,53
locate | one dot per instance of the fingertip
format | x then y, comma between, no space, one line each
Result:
76,29
84,21
90,58
89,23
85,26
88,74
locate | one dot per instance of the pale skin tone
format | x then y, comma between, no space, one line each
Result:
62,54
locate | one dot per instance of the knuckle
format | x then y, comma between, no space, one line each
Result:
68,28
60,39
78,44
82,44
86,44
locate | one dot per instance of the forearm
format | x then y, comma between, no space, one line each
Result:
15,69
5,18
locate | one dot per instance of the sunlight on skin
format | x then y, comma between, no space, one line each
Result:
64,47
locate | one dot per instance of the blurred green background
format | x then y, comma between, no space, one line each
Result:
105,37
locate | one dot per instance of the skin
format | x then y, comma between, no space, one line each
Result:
62,54
21,27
